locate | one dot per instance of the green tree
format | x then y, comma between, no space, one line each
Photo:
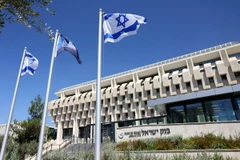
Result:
36,109
26,133
29,130
25,12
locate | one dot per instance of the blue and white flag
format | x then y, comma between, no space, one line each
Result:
65,44
30,64
116,26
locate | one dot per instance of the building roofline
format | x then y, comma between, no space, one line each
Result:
203,51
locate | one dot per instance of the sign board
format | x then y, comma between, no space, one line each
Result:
185,130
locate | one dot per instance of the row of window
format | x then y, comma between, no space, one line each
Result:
215,110
84,106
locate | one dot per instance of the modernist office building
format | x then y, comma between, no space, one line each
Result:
200,87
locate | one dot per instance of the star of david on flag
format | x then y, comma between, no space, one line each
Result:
30,64
64,44
116,26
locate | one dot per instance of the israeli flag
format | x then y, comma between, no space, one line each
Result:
64,44
30,64
116,26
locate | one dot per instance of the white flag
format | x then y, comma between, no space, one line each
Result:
30,64
119,25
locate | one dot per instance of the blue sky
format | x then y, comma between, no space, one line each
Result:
174,28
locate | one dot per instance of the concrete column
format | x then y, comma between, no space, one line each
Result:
75,128
94,132
165,120
138,123
91,129
59,132
115,128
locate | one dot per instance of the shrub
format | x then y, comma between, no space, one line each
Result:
109,152
163,144
207,141
138,145
123,146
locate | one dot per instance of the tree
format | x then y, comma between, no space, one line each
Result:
36,109
25,12
26,133
29,130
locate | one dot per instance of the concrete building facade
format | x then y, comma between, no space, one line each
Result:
2,129
200,87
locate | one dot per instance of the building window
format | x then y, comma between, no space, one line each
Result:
167,89
237,74
224,77
237,55
148,93
160,120
220,110
143,113
84,132
67,133
177,114
106,131
126,115
212,61
195,112
199,82
152,121
140,94
127,123
131,96
157,90
177,87
145,102
211,80
118,117
152,111
144,122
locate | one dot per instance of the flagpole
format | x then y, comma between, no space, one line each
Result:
98,92
12,107
41,138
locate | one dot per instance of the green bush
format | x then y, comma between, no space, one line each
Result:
109,152
55,155
163,144
123,146
138,145
207,141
